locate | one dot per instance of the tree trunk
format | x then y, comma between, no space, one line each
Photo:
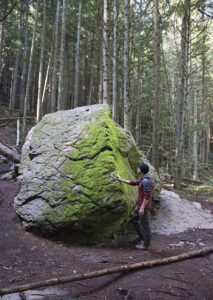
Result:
114,60
138,113
41,65
185,31
195,140
24,28
156,87
100,86
203,144
92,71
106,52
90,89
126,64
29,77
34,90
61,85
208,150
4,63
43,102
77,57
9,154
12,103
103,272
2,35
1,38
55,59
5,75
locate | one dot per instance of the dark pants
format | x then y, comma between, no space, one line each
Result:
142,225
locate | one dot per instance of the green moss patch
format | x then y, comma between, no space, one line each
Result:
94,205
201,190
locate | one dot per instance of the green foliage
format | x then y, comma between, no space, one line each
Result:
205,191
200,77
198,127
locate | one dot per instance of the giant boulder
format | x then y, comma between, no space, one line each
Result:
67,175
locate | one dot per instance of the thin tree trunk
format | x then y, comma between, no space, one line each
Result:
61,84
3,9
1,38
106,52
5,61
46,80
41,65
114,270
29,77
25,53
185,30
77,57
18,132
12,103
114,60
156,87
100,86
66,80
85,80
91,77
208,134
126,65
90,89
204,100
34,91
55,59
138,112
195,140
5,75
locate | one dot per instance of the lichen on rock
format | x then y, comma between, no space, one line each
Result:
66,172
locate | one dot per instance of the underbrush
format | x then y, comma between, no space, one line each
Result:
201,191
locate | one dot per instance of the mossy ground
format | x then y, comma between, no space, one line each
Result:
204,191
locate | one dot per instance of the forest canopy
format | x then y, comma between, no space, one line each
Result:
152,61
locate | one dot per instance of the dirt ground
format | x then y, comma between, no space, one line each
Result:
26,258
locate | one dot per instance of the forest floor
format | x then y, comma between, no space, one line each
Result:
26,258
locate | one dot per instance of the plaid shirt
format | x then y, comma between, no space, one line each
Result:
145,188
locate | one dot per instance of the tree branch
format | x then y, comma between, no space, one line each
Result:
103,272
203,12
12,8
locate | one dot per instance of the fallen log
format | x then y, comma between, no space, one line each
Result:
9,154
120,269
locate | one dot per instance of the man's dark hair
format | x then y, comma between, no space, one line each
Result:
144,168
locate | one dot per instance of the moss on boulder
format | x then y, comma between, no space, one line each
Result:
67,173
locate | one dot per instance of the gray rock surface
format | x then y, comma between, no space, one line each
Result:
67,175
178,215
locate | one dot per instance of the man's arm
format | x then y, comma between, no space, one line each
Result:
123,180
143,206
130,182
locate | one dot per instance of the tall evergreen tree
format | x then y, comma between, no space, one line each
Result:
106,52
61,84
126,65
77,57
183,91
156,87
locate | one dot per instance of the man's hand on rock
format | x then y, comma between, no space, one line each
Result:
118,177
115,177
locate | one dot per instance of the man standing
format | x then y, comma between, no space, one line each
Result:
141,215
